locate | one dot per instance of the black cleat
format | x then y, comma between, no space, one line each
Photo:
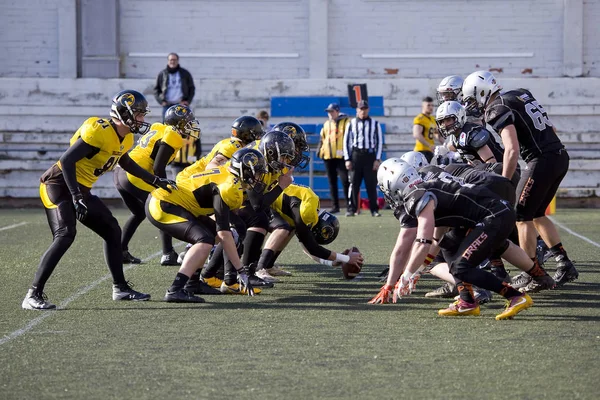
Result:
539,283
565,273
182,296
520,281
255,281
169,259
129,259
482,296
124,291
200,287
36,301
446,291
542,252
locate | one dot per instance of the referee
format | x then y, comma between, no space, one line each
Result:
363,144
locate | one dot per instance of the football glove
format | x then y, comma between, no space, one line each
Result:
164,183
243,280
384,295
403,288
80,207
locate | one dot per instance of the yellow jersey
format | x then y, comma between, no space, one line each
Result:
99,133
147,149
429,129
294,196
332,138
196,193
225,147
187,154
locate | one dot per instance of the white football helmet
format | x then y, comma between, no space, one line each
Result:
450,109
393,176
450,88
415,159
478,88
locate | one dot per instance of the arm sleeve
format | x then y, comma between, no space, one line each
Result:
221,211
76,152
379,140
162,159
260,201
307,238
347,142
499,117
131,166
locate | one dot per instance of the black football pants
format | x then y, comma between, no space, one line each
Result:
362,168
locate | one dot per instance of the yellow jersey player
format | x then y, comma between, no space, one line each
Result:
299,206
244,131
65,190
155,150
185,215
425,129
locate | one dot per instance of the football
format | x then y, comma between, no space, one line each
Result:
351,271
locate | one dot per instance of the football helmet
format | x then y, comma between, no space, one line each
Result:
278,149
414,159
478,88
249,166
126,105
247,129
450,109
182,119
393,176
450,88
298,135
327,228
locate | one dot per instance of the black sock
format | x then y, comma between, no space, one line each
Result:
558,252
272,263
215,263
195,277
267,258
129,229
465,291
536,270
179,282
486,280
114,259
50,259
252,247
167,242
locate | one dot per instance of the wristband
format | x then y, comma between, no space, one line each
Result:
342,258
428,259
426,241
326,262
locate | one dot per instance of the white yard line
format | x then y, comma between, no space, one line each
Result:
45,314
572,232
5,228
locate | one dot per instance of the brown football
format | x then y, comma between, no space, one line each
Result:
351,271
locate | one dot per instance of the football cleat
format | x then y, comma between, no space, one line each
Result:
446,291
542,251
236,289
539,283
566,272
182,296
255,281
520,281
124,291
200,287
129,259
482,296
265,276
460,308
181,255
515,305
277,271
36,301
169,259
213,282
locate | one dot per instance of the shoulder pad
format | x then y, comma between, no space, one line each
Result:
478,137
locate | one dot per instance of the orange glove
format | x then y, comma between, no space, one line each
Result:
384,295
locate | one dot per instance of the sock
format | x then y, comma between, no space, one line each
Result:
508,291
536,270
486,280
195,277
252,247
267,258
179,282
167,242
215,263
558,251
465,291
497,268
272,263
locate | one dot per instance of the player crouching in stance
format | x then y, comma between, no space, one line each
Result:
97,147
432,207
185,215
155,150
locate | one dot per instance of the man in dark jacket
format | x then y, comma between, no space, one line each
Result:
174,85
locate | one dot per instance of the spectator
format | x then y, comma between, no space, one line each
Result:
363,144
331,150
263,117
174,85
425,130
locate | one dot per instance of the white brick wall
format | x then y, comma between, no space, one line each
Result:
219,26
407,27
29,38
591,37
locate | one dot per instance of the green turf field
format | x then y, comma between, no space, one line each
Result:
312,336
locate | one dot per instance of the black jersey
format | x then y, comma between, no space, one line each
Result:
534,129
472,138
456,205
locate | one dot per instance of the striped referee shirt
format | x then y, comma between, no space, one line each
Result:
364,134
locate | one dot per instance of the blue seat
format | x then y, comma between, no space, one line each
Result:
314,106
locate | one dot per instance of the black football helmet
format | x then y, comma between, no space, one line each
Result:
247,129
327,228
126,105
298,135
278,149
249,166
182,119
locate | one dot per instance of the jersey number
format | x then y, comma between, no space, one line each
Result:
206,173
145,140
110,163
538,115
431,132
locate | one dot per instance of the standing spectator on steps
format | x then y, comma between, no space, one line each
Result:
363,144
174,85
331,150
425,130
